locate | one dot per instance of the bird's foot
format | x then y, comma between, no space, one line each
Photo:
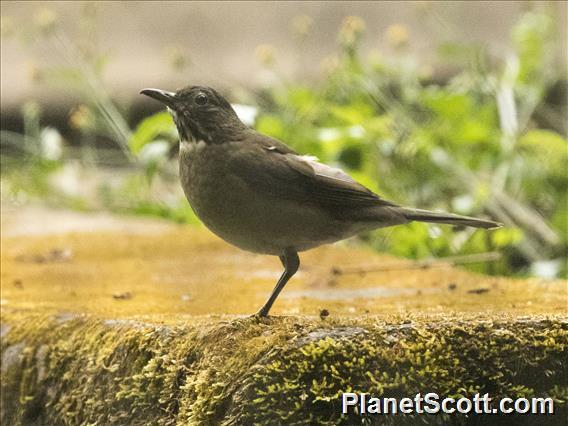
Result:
261,317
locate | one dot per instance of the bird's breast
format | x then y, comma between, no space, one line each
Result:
222,201
203,174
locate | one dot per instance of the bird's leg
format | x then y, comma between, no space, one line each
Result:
291,263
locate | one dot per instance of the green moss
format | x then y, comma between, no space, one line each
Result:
85,370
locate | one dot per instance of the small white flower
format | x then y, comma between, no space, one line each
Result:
246,113
51,144
463,203
356,131
547,269
154,151
327,134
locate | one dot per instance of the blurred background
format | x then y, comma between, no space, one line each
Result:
457,106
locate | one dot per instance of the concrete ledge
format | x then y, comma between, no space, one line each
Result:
124,326
77,369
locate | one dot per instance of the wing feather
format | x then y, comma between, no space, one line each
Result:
273,168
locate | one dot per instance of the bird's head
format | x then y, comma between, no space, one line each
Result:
200,113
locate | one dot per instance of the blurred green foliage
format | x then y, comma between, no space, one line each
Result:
471,143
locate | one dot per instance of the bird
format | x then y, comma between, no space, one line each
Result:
258,194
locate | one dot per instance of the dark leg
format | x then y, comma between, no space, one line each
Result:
291,263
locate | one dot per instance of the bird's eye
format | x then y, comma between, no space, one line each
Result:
201,99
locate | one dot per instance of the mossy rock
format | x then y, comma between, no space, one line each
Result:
129,327
84,370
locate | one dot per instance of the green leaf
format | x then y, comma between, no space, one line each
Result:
533,36
149,128
547,147
270,125
506,236
355,114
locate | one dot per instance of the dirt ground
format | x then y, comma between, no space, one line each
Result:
59,261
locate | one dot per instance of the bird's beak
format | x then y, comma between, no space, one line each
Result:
167,98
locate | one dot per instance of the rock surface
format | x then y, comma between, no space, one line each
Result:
131,327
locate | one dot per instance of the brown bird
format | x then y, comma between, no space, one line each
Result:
260,195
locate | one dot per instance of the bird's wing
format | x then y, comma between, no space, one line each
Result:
272,167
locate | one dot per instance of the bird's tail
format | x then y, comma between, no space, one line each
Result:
447,218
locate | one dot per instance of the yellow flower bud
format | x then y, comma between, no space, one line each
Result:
397,35
46,20
301,25
81,118
266,54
